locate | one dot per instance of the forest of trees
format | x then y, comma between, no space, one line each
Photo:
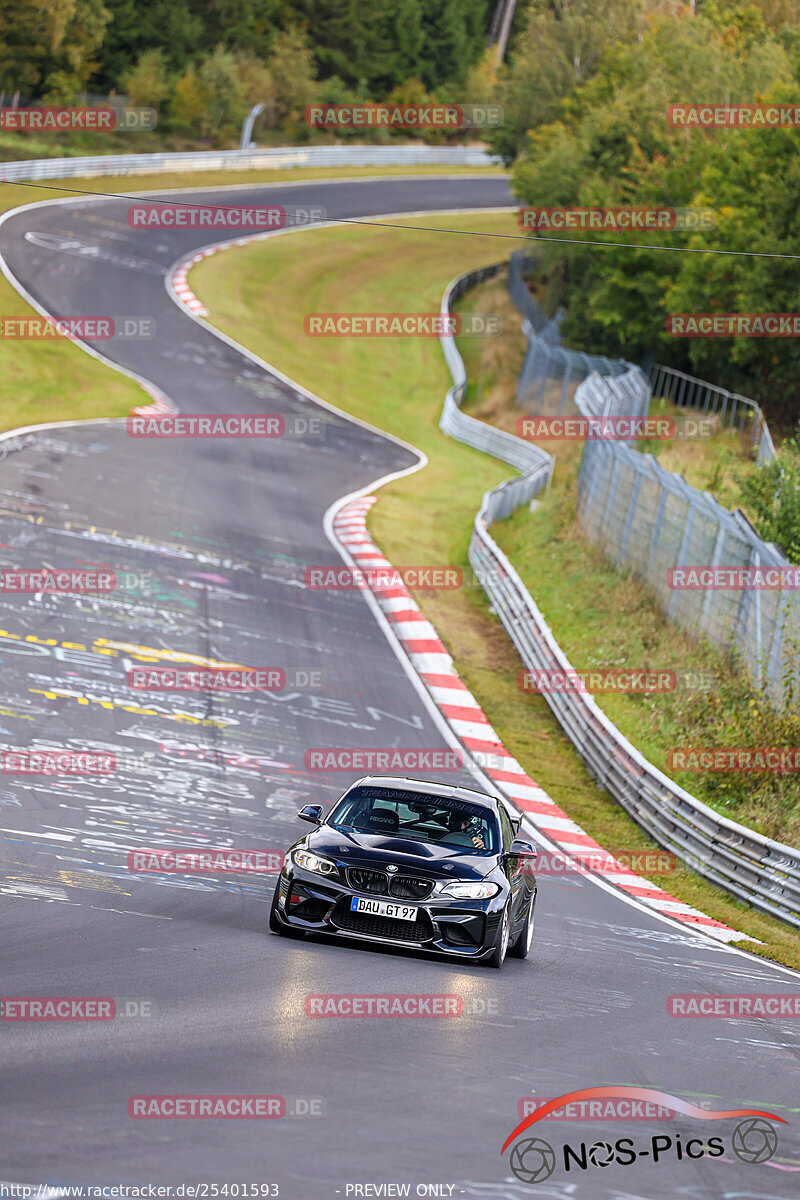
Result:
585,99
201,63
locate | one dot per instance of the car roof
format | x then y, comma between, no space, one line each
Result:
434,790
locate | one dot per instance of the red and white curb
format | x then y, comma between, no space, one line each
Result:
182,289
466,719
177,280
161,406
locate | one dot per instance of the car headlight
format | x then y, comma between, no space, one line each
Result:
479,890
313,862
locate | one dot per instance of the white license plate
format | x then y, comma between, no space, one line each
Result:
383,908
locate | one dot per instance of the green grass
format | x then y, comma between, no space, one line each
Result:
258,295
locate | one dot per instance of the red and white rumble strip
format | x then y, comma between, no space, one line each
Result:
177,280
466,719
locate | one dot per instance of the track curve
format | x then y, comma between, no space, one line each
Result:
213,537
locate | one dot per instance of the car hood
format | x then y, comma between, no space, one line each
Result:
378,851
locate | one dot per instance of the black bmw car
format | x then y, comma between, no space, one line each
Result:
407,862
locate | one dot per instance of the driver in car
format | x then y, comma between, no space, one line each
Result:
472,826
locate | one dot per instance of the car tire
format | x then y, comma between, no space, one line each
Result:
522,945
498,955
275,925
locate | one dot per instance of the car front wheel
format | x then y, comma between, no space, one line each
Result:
274,920
522,946
499,953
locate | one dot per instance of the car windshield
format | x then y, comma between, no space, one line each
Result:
465,827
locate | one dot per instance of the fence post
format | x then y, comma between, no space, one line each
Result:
683,550
716,560
631,513
746,601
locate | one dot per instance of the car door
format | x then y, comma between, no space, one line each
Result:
512,868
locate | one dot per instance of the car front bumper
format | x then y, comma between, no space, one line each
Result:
461,928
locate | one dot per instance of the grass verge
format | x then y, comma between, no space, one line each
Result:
399,385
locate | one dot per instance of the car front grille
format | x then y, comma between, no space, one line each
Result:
409,887
368,924
403,887
364,880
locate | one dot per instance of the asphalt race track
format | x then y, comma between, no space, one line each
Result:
211,538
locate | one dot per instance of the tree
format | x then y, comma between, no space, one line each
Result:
248,26
50,45
613,146
166,25
456,32
291,65
146,84
189,103
561,47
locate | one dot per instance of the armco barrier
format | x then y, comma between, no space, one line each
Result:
535,464
246,160
753,868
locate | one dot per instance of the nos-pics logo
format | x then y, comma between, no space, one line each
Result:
754,1140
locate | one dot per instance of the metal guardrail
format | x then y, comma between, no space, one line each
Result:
706,398
753,868
551,372
535,464
247,160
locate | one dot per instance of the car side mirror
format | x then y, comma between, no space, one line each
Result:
522,849
312,813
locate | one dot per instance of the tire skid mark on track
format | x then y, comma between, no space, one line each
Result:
465,717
